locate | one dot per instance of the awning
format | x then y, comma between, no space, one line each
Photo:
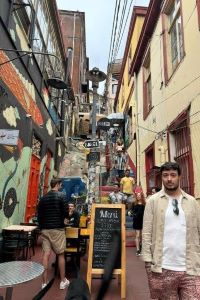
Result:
116,116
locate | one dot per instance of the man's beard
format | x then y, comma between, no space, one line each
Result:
171,189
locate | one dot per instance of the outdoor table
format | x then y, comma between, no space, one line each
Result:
22,227
16,272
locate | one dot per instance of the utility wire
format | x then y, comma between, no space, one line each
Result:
119,40
129,10
120,27
115,30
113,25
177,92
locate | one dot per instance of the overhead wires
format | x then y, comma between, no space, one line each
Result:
120,19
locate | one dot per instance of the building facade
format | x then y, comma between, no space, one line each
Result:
33,113
125,95
73,30
114,69
165,69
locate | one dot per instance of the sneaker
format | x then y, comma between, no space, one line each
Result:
43,285
64,284
138,253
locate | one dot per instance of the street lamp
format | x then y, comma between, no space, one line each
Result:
96,76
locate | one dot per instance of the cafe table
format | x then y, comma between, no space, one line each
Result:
15,272
26,228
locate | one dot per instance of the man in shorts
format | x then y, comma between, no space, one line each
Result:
52,210
127,185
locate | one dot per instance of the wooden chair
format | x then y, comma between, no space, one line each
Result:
73,250
31,238
83,241
14,245
83,222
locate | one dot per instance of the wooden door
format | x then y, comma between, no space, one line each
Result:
33,188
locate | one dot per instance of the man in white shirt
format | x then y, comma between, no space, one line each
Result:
171,240
116,197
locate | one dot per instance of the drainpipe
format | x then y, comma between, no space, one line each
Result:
73,42
137,133
68,65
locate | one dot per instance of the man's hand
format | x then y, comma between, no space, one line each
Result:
66,221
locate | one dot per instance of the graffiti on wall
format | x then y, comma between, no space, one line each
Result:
15,82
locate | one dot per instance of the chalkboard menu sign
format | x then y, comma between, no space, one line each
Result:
107,220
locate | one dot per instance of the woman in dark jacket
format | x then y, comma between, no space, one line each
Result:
138,213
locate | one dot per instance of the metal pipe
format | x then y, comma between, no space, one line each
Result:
95,86
29,52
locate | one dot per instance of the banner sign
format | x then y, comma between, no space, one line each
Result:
91,144
93,157
104,123
9,137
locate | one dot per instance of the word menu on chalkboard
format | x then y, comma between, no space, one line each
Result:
107,221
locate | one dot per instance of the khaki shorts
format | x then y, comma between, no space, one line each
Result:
53,239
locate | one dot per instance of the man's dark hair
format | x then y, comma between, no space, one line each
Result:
55,181
170,166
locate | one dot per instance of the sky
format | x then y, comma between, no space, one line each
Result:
99,20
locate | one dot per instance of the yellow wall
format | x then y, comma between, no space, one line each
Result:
125,78
182,90
128,89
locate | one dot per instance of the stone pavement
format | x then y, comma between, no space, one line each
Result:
137,286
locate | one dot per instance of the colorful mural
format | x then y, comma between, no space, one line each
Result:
13,187
15,82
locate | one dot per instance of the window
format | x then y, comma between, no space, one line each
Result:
147,86
153,178
114,89
24,15
198,12
36,146
174,50
38,46
175,32
180,151
43,21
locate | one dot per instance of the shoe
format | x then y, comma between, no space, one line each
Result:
43,285
138,253
64,284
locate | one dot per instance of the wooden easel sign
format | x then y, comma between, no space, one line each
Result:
105,220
